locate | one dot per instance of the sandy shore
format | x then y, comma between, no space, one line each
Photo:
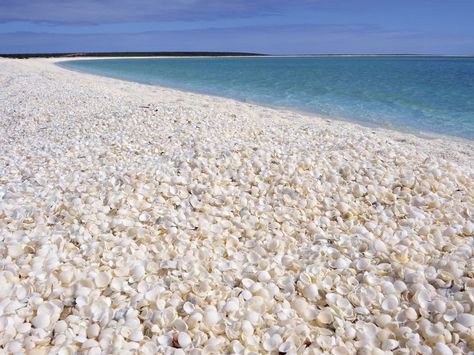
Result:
144,219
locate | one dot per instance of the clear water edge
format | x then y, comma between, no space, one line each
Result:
153,80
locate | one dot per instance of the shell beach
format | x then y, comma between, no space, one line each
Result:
140,219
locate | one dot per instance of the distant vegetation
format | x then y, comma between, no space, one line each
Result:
128,54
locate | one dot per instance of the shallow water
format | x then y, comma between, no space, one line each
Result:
417,94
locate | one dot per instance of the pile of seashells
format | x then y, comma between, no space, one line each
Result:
145,220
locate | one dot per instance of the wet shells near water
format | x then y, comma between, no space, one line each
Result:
136,219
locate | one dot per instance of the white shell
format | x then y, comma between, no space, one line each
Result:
442,349
325,316
232,305
102,279
272,343
390,303
211,317
264,276
180,325
466,319
311,292
184,339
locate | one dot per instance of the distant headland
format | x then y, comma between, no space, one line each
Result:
128,54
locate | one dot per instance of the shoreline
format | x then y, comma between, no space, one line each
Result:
403,130
138,218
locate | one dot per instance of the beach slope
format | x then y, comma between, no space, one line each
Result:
140,218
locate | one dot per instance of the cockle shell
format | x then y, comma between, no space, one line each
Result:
390,303
325,316
210,317
311,292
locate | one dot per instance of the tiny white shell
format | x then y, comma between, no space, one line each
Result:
188,307
136,335
102,279
211,317
272,343
93,330
442,349
41,321
184,339
232,305
466,319
264,276
390,303
311,292
180,325
285,347
325,316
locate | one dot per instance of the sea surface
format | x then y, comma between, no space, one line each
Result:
415,94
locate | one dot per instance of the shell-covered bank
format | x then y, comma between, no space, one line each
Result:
140,219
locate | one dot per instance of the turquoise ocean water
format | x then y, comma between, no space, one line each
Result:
416,94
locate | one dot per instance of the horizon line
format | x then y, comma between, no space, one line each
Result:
208,53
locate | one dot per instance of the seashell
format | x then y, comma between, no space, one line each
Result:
66,276
399,286
247,327
188,307
362,264
411,314
116,284
24,328
438,306
138,272
232,305
285,347
90,343
246,295
93,330
466,319
144,217
264,276
272,343
14,347
180,325
325,316
65,350
165,340
450,314
342,263
120,314
15,250
422,298
237,347
311,292
341,350
41,321
136,335
184,340
247,283
382,320
326,342
102,279
379,246
442,349
390,303
389,344
210,317
252,317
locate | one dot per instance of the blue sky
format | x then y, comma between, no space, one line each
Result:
264,26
